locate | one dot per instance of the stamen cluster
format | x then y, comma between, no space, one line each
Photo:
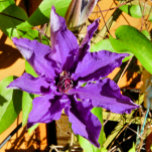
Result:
65,83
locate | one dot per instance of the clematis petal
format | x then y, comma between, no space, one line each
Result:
97,64
46,109
83,121
36,54
31,84
105,94
64,43
85,44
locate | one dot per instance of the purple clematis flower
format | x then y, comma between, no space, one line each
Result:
62,70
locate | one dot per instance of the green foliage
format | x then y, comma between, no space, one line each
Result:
147,34
104,150
10,17
15,22
85,144
26,106
129,39
31,34
42,14
5,4
136,11
102,45
31,129
10,104
106,45
26,33
29,69
133,149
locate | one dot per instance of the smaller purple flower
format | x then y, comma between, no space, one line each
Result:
62,69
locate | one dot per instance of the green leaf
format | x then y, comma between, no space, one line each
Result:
106,45
31,34
147,34
103,149
10,17
98,113
151,147
150,17
5,95
26,106
102,45
136,10
85,144
129,39
133,149
31,129
10,104
29,69
132,10
5,4
42,14
27,33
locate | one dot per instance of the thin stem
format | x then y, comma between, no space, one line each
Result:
126,67
142,19
103,19
10,135
149,16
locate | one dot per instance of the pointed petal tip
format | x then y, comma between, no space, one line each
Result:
92,28
84,123
134,107
11,86
105,94
97,21
56,21
64,42
14,39
105,62
24,83
53,10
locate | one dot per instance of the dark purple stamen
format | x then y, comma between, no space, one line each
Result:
65,83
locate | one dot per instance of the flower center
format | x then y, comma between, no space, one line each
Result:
65,83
